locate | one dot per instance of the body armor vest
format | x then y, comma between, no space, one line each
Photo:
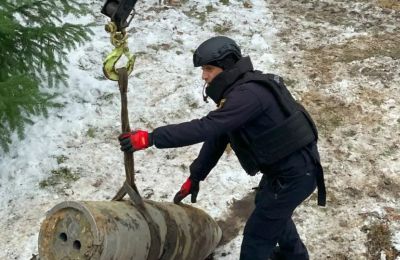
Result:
295,132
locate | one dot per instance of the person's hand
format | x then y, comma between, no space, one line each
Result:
134,141
189,187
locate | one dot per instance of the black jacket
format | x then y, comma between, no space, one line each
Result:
247,110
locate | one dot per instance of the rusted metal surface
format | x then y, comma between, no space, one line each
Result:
117,230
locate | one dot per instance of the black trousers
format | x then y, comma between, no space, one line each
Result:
271,222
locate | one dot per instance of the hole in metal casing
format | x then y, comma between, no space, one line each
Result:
63,237
77,245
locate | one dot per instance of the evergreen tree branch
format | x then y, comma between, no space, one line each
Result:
35,45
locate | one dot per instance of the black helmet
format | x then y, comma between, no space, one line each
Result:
216,49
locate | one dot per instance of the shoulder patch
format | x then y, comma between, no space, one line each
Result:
221,103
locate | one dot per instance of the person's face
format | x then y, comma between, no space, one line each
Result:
210,72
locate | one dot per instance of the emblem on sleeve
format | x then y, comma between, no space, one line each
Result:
221,103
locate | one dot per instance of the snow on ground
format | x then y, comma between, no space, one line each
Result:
341,58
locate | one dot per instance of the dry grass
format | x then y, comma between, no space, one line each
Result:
323,59
330,112
390,4
379,240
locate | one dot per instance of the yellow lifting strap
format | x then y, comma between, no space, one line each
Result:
119,40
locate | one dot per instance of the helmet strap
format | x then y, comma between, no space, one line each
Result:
204,93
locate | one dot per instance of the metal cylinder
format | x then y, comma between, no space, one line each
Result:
118,230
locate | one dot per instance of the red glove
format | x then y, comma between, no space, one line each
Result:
189,187
134,141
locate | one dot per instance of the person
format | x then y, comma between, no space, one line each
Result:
269,132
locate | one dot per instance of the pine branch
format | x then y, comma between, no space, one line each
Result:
35,45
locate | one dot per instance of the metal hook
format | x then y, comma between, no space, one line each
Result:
109,69
119,40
